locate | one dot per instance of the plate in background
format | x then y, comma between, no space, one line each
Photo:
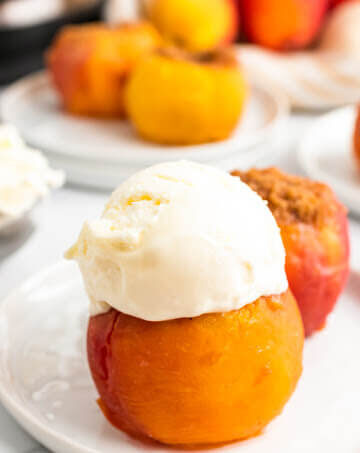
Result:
102,152
45,383
326,154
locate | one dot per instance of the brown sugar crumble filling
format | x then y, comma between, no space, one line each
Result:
291,198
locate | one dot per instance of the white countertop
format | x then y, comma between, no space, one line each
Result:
54,226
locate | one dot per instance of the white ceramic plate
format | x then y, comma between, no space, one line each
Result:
106,149
45,382
326,154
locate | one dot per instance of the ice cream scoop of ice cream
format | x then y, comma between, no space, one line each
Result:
25,175
178,240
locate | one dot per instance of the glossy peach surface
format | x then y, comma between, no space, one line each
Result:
317,266
282,24
89,65
204,380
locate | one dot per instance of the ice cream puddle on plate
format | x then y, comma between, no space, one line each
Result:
179,240
25,176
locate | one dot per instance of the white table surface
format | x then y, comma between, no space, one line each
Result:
55,225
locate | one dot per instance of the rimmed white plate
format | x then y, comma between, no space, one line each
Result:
326,154
107,147
46,385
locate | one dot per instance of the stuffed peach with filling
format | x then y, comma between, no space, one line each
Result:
314,229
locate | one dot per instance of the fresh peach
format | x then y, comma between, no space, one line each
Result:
196,25
180,99
204,380
89,65
282,24
314,229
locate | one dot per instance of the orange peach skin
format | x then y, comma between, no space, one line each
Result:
356,139
317,267
282,24
89,65
204,380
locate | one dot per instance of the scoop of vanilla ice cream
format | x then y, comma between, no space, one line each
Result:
178,240
25,175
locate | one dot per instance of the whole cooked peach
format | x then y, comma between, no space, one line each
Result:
282,24
89,65
356,138
176,98
314,229
196,25
194,337
203,380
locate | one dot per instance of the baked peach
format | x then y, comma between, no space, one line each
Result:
89,65
282,24
196,25
204,380
314,229
181,99
356,138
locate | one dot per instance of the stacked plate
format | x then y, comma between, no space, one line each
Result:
101,153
